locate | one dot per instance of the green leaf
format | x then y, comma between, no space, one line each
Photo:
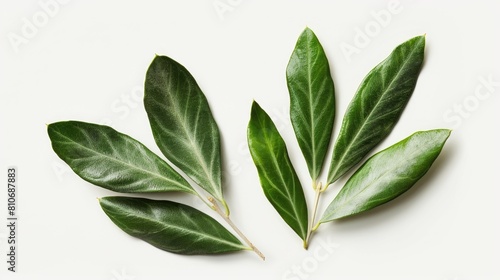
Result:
170,226
277,175
112,160
387,174
182,123
377,106
312,99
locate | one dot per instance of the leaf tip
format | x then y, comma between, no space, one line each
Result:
101,200
423,37
308,32
444,131
157,57
255,107
102,203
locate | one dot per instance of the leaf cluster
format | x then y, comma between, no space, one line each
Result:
186,133
372,114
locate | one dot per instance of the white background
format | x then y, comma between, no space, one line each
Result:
87,60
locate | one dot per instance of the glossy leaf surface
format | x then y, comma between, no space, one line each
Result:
182,123
387,174
312,99
377,106
170,226
277,175
112,160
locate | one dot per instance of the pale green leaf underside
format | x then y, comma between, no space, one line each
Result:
377,106
112,160
182,123
387,174
277,175
170,226
312,99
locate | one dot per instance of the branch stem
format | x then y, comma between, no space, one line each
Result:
219,211
311,228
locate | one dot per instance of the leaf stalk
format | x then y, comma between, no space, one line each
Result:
225,216
318,188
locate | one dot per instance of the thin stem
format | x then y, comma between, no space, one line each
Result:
311,228
316,226
235,228
210,204
205,201
226,207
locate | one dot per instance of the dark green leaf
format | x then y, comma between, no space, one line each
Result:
182,123
277,175
377,106
312,99
387,174
112,160
170,226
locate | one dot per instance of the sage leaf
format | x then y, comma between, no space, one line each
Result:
377,106
312,99
112,160
387,174
182,123
170,226
277,175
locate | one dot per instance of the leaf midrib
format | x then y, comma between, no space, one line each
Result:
311,109
196,149
163,225
157,175
370,184
275,162
371,112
